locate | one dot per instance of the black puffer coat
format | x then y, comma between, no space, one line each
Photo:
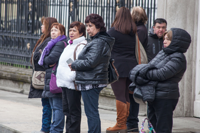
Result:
92,63
36,93
171,65
50,59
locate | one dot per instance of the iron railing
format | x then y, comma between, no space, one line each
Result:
20,21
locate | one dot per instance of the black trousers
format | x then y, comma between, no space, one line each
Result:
160,114
132,120
72,108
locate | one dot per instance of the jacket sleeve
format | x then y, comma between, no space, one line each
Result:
93,58
170,69
54,55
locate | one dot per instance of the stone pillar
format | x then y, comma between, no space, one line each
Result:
183,14
197,91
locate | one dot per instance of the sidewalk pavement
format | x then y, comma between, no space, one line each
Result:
18,113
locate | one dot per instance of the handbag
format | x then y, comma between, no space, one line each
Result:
38,78
150,127
140,52
112,72
52,84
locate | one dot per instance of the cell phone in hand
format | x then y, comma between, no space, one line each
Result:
69,61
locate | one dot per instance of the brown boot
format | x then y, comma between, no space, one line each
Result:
120,126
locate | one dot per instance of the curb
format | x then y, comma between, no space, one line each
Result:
5,129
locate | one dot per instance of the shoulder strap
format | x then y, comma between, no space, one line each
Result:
76,49
64,43
138,46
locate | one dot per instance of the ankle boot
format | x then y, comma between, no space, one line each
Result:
120,126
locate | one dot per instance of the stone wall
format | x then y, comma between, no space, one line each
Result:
183,14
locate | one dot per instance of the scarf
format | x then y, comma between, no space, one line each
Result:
70,42
48,48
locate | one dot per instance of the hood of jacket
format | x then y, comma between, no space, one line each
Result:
181,40
106,37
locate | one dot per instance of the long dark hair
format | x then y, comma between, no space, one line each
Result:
48,21
123,21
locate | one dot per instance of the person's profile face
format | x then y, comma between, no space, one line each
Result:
43,27
159,29
166,41
91,29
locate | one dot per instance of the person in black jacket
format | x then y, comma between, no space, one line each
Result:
50,57
36,93
140,18
123,52
169,67
155,39
92,69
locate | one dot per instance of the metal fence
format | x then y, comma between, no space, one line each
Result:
20,21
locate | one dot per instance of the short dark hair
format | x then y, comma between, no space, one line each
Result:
123,21
97,20
80,26
160,21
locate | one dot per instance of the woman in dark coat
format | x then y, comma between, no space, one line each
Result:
123,52
36,93
50,57
92,69
140,18
169,67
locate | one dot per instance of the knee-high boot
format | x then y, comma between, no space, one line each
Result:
120,126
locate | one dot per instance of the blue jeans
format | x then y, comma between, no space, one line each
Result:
46,115
91,102
57,124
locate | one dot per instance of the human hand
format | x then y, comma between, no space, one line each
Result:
70,66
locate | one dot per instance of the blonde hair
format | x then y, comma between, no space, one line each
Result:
169,34
138,14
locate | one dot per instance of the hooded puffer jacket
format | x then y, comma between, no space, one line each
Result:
92,63
171,65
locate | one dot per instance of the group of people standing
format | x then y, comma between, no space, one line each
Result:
87,73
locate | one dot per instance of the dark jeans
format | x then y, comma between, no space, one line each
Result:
160,114
72,108
46,115
132,120
57,124
91,102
